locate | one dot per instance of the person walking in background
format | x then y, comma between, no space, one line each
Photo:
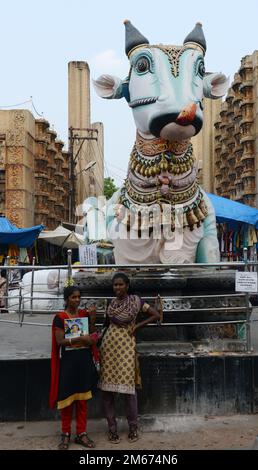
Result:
119,367
2,292
74,376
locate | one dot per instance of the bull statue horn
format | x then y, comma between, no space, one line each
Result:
196,36
133,37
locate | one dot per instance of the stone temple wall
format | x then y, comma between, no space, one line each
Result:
34,179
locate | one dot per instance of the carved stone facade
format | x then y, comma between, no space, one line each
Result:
51,177
2,171
236,137
34,180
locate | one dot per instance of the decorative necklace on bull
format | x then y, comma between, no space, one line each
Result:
161,172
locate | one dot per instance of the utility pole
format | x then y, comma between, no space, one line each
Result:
71,177
78,136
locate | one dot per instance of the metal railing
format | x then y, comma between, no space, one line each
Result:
31,294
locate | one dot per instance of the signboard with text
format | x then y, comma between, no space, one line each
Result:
246,282
88,254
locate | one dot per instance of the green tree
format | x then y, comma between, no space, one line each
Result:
109,187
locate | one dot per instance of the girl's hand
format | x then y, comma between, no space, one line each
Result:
86,340
133,330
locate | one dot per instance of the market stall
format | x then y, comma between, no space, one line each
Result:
237,228
16,242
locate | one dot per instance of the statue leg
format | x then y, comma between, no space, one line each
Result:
208,247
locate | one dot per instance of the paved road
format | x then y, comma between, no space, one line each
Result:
175,433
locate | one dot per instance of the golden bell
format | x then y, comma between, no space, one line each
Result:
153,170
133,164
163,164
191,218
142,170
203,208
199,214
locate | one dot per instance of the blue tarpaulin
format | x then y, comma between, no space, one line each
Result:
22,237
228,211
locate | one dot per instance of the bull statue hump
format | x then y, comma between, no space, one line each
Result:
161,214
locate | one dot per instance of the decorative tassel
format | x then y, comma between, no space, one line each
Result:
128,224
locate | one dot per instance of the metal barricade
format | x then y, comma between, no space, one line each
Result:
168,304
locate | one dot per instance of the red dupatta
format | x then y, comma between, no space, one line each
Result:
55,356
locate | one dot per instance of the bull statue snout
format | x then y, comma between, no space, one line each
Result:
187,115
182,126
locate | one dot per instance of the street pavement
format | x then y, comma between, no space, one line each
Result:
237,432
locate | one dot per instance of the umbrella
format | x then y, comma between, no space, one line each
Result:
63,237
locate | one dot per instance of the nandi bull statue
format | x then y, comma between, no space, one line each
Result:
161,215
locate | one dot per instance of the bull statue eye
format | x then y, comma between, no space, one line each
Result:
142,65
201,69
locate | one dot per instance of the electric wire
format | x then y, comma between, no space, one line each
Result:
30,101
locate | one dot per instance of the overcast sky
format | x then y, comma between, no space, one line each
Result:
39,38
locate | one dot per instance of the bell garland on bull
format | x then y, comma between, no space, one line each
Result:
195,213
161,162
164,88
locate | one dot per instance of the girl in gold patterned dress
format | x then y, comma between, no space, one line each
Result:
119,368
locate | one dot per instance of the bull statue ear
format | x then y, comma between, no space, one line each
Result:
108,86
215,85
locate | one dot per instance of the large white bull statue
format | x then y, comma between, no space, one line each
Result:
161,215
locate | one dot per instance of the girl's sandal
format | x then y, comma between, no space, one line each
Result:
65,440
113,437
133,435
84,440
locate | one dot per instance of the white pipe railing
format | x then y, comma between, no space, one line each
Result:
162,269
